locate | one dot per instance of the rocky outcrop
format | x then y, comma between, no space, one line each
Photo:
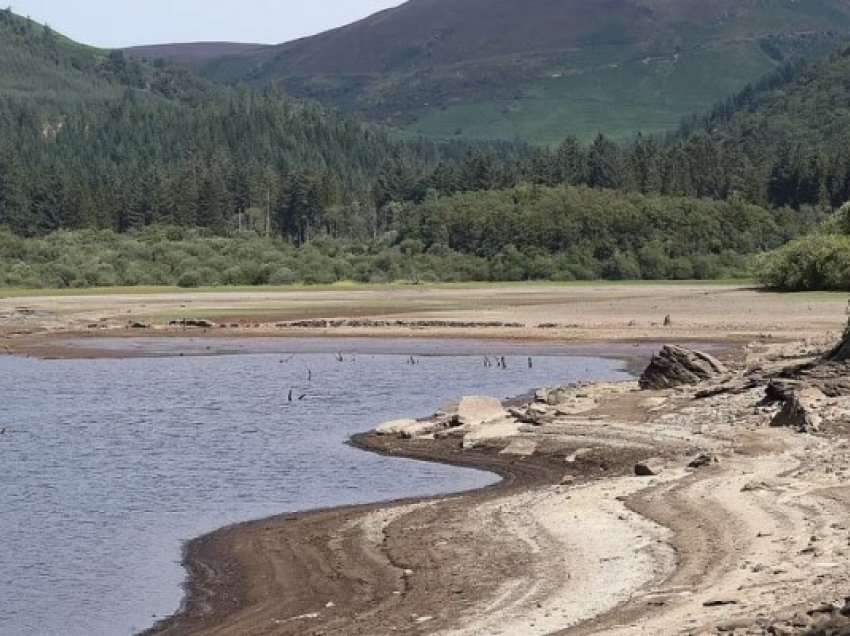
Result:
200,324
474,420
799,410
702,460
649,468
409,324
675,366
396,427
841,351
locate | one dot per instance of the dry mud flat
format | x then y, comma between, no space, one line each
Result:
602,313
735,527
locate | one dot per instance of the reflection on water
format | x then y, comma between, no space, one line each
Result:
109,465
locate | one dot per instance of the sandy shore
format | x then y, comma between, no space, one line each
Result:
572,541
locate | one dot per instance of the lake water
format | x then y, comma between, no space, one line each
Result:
108,466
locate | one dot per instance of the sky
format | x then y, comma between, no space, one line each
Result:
120,23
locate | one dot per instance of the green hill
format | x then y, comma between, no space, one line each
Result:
536,70
48,69
793,128
89,138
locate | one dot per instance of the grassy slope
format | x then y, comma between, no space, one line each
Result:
658,93
51,72
33,70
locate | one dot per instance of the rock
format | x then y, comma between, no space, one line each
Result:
396,427
574,457
474,410
576,406
648,468
675,366
702,460
519,413
754,486
421,429
412,429
841,352
733,387
456,432
780,390
201,324
719,602
824,608
522,447
494,429
799,411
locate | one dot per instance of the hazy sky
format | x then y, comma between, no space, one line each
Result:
116,23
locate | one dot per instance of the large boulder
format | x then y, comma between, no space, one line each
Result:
675,366
473,410
500,428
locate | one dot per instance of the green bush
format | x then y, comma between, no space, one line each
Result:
817,262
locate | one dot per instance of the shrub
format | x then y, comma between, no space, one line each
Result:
817,262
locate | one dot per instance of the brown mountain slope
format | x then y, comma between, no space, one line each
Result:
539,69
196,53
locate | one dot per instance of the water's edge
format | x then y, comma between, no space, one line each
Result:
194,562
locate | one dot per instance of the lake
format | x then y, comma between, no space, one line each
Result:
110,465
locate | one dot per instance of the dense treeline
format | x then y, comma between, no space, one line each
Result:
132,162
784,141
127,147
525,233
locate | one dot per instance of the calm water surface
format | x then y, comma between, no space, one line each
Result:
110,465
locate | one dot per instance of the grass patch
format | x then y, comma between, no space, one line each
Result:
353,286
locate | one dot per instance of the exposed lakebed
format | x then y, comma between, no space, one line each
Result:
110,465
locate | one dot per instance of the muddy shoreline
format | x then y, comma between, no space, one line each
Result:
218,585
570,541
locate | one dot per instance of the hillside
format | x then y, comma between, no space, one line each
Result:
195,54
89,138
50,71
793,129
540,70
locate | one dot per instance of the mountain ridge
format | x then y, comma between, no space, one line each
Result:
540,70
